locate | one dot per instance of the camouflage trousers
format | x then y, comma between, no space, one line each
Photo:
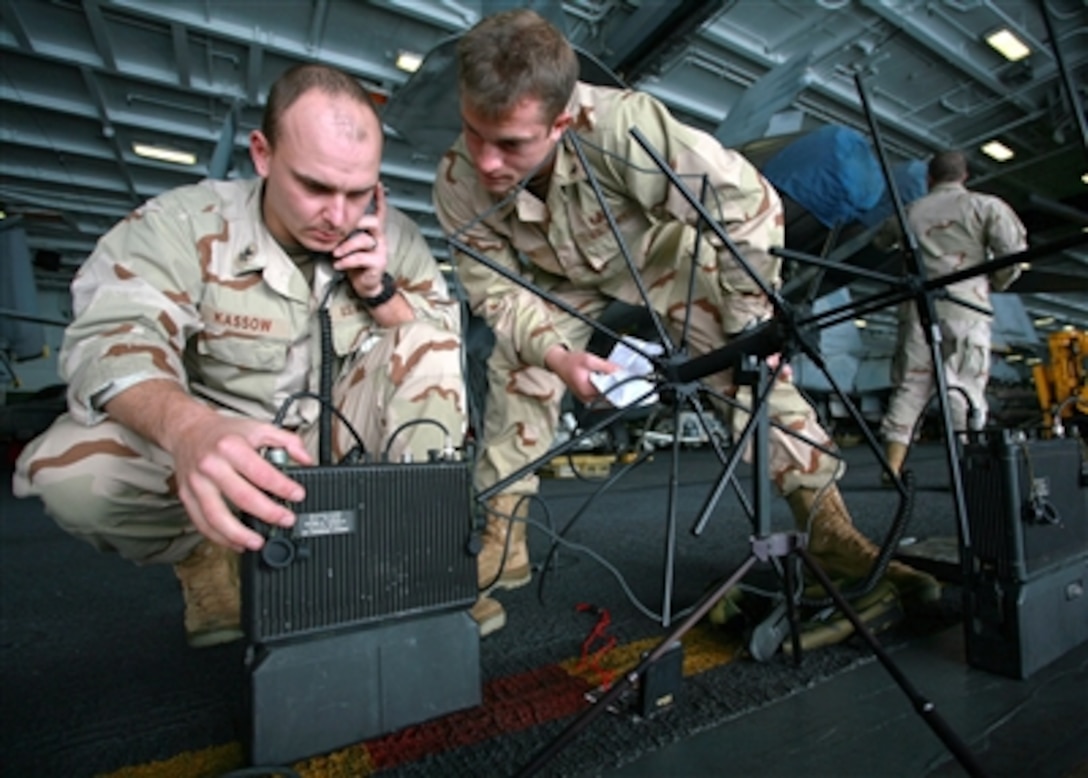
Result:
116,490
523,402
965,357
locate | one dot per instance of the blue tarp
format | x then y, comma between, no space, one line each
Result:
831,172
910,182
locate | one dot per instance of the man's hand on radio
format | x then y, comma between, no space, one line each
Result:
220,470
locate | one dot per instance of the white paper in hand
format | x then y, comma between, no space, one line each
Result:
626,386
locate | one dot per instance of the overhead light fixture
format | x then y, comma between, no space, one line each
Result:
1044,321
1033,361
995,149
1084,178
164,154
1014,358
409,61
1010,47
861,323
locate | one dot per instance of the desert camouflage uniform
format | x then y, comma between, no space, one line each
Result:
192,288
955,229
565,246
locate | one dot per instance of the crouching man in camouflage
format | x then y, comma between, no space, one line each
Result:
514,189
197,321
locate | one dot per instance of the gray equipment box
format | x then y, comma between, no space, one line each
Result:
1027,510
357,617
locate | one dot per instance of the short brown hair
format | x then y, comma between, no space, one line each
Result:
513,55
947,166
299,80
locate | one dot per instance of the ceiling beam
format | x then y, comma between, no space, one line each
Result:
829,100
318,18
88,205
94,91
100,33
636,45
9,12
254,63
62,177
1069,90
75,58
182,55
903,16
450,15
368,61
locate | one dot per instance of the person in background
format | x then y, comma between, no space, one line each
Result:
514,190
955,229
196,323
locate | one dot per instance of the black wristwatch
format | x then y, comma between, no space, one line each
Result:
389,288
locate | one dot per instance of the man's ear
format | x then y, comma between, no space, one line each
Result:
561,123
260,151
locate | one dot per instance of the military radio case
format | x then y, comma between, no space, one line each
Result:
357,617
1027,513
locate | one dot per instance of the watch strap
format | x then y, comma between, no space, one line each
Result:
389,288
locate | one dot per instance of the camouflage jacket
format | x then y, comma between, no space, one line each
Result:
192,287
569,236
957,229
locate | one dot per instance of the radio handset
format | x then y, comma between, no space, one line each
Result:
327,256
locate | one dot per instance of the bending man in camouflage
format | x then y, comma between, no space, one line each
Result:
513,188
196,321
955,229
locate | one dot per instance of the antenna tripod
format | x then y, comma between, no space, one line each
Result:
751,351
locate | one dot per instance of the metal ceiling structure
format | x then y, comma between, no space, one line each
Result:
84,80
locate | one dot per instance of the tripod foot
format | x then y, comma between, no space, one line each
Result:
878,610
770,633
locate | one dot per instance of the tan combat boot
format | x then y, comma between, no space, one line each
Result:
488,615
212,590
492,572
844,552
895,454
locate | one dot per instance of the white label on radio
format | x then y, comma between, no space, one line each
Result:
318,523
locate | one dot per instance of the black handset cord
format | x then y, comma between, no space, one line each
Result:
327,357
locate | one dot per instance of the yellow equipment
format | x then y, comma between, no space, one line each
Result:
1062,382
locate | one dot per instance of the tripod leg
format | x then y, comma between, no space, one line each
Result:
791,610
925,708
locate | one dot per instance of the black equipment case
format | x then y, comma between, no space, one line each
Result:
357,618
1027,509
